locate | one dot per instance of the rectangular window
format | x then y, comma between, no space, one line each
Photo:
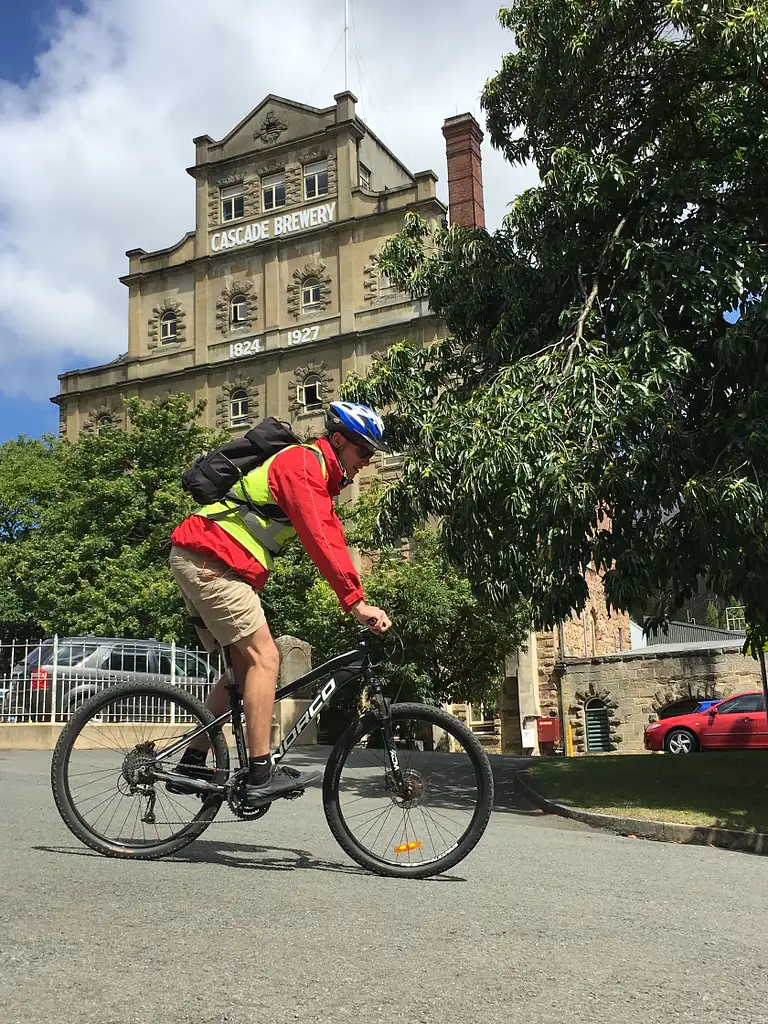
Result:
481,715
273,192
128,660
392,461
308,395
364,176
232,203
316,180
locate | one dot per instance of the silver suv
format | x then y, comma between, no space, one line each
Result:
87,664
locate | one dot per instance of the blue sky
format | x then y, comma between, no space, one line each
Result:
100,101
24,29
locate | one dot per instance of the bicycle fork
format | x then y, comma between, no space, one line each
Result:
383,714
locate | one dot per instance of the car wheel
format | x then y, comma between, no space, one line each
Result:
680,741
75,704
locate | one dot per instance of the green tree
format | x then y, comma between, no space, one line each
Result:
453,645
30,479
90,544
592,403
711,618
87,540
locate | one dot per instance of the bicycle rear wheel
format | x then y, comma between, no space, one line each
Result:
451,786
102,771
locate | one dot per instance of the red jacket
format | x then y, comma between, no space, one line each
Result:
301,491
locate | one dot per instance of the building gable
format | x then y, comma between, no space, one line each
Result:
274,122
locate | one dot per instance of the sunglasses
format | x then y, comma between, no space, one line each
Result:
364,452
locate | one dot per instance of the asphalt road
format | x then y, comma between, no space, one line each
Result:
269,922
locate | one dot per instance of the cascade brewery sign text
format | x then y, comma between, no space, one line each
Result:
281,224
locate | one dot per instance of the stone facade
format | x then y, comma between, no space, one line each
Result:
635,686
234,283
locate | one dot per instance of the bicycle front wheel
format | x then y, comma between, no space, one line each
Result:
103,764
450,793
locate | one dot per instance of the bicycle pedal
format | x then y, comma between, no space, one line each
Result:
294,794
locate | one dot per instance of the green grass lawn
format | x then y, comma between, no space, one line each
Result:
728,790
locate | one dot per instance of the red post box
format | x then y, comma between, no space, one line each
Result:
548,730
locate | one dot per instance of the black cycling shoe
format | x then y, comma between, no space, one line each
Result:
281,782
194,771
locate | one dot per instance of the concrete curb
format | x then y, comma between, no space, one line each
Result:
661,831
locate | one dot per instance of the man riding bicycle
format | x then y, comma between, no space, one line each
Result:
221,559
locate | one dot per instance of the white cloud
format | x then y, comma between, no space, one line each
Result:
96,145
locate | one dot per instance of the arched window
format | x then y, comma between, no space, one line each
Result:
168,324
309,395
597,728
238,310
103,423
238,407
310,294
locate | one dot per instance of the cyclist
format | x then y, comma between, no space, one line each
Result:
221,558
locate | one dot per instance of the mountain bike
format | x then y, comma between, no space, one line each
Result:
407,789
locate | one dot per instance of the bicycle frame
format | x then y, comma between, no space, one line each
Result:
343,669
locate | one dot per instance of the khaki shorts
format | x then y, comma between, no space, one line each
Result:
227,604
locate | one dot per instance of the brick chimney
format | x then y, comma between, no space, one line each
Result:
463,136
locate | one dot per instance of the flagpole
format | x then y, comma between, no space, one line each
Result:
346,45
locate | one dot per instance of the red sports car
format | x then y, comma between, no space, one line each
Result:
736,723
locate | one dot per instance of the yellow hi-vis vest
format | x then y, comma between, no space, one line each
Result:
250,514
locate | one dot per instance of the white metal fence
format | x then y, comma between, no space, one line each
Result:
48,680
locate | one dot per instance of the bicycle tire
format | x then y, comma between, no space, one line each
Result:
335,817
60,786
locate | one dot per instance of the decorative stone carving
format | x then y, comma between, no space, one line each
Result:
272,127
300,376
251,197
294,289
265,170
166,306
293,185
224,401
102,412
372,282
245,288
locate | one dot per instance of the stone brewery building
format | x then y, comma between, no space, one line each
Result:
276,295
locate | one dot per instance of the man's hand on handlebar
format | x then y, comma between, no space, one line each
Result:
374,618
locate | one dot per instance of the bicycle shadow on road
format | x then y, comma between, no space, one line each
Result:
251,856
209,851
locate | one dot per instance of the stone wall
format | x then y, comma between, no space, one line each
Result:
635,686
598,631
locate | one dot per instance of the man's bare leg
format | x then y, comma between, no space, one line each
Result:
256,663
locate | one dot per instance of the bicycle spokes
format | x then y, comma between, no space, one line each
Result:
414,808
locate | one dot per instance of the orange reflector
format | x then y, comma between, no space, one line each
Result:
407,847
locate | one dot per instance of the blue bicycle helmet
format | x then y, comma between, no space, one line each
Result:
358,423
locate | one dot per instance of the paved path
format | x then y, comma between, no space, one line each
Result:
269,922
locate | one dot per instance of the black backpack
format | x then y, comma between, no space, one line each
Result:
212,476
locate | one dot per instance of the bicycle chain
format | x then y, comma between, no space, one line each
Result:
214,821
252,815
